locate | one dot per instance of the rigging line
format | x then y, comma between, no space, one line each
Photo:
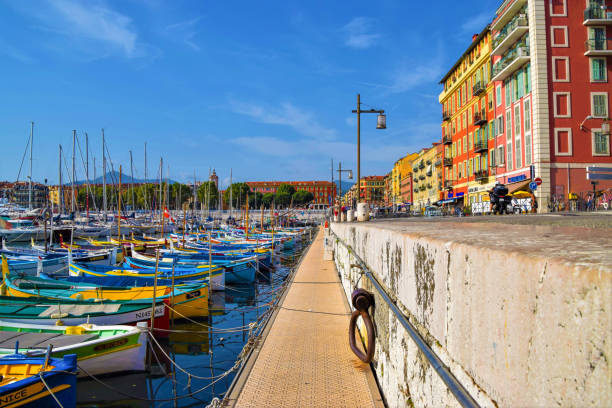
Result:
88,186
23,158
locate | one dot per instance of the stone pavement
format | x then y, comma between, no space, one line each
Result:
305,360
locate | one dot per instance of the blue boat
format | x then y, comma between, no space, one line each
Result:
38,381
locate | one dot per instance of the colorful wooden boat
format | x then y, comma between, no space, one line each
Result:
188,300
37,382
99,349
217,275
45,311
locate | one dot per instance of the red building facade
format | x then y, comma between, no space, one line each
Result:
323,191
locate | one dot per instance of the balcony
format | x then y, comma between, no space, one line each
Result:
511,33
448,184
422,177
480,118
478,88
598,48
480,146
415,169
597,16
481,175
505,14
438,163
447,139
421,165
448,162
513,60
445,116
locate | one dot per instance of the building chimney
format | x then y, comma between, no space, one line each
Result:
474,37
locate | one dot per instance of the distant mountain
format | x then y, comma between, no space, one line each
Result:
112,177
346,185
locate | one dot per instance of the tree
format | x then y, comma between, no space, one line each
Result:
208,189
285,189
255,199
283,199
267,199
302,197
239,192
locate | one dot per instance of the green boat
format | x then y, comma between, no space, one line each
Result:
99,349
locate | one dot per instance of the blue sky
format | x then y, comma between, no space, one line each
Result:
265,88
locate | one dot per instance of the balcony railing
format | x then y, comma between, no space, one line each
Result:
478,88
445,116
511,61
421,165
447,139
510,33
448,184
422,177
597,16
438,162
600,46
481,175
480,117
480,146
448,162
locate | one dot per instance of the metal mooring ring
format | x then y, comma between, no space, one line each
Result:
362,300
367,357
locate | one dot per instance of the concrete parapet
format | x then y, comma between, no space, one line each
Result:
521,314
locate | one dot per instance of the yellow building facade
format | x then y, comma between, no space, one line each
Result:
401,169
425,179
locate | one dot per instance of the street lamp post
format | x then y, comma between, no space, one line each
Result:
381,123
350,177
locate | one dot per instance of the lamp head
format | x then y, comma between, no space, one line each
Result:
381,123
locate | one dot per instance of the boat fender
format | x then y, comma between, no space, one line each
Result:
362,300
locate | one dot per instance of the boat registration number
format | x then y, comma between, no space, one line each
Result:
15,396
111,344
193,294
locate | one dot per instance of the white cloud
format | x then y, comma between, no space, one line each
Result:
186,31
98,22
477,23
359,33
287,115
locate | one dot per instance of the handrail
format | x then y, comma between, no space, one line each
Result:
456,388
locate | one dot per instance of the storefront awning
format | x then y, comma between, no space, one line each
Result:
522,185
450,200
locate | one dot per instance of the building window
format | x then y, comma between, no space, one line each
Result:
560,67
563,141
492,157
599,104
562,104
517,121
509,151
491,130
500,155
597,38
517,153
498,94
558,8
527,149
500,124
598,70
601,143
464,144
507,91
527,115
508,124
558,36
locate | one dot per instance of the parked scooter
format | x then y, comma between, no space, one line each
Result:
501,202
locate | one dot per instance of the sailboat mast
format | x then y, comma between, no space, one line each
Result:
132,181
195,197
230,187
73,172
87,173
31,150
161,211
103,176
61,192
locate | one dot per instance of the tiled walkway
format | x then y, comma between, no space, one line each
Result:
305,360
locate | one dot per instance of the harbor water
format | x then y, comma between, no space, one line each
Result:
192,363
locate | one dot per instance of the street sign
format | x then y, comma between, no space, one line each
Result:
599,173
538,181
533,185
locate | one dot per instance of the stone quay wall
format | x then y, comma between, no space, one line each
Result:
515,326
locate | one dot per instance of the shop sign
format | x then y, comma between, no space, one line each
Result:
517,178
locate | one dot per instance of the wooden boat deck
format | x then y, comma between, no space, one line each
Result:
305,359
41,340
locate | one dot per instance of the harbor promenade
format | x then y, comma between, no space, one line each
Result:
304,359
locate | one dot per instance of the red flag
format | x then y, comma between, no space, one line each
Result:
167,214
4,224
